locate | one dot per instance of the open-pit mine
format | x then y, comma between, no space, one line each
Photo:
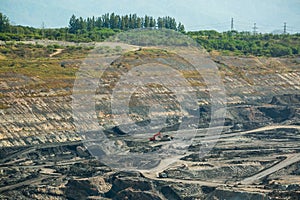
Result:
43,156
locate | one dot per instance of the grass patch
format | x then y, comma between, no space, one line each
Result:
3,106
148,52
43,72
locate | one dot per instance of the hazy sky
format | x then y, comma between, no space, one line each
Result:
269,15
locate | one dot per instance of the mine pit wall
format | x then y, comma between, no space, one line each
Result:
31,117
37,120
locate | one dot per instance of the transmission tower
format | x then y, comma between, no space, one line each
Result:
43,30
231,24
254,29
284,28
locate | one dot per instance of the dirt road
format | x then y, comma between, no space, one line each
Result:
58,51
288,161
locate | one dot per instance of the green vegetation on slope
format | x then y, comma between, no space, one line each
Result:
101,28
42,71
244,43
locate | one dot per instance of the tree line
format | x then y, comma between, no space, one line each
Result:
125,22
86,30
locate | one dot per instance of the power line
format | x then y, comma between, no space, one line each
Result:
209,25
239,25
43,30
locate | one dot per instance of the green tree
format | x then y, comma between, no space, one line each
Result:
73,26
99,22
4,23
180,28
160,22
139,23
112,22
146,22
105,20
126,22
152,22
